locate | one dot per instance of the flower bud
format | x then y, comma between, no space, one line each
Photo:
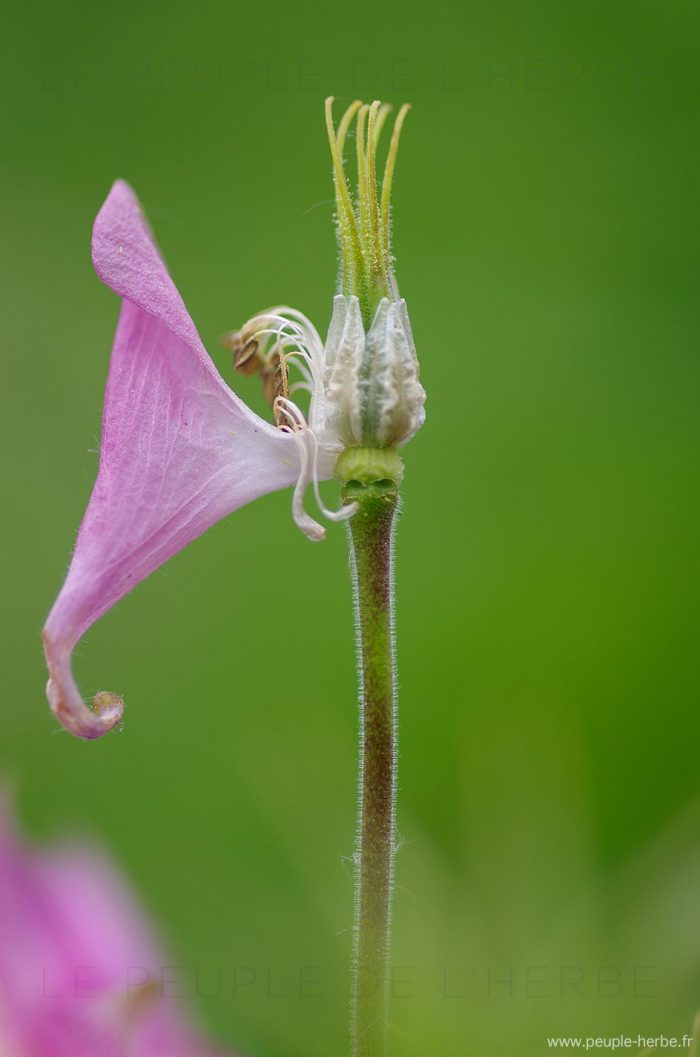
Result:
373,398
364,396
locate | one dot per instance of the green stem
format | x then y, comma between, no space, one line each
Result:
371,535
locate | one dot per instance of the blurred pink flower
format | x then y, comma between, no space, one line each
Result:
80,974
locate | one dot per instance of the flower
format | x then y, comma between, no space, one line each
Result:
80,973
180,450
365,393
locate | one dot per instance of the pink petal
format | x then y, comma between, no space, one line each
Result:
179,451
74,947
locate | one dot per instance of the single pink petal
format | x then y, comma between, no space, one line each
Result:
179,451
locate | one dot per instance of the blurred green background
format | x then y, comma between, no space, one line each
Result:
546,215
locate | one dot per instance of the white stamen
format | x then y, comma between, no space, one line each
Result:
292,361
344,512
307,442
308,526
361,383
301,434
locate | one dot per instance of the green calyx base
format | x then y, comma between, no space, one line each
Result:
377,469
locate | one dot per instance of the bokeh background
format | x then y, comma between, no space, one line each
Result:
546,215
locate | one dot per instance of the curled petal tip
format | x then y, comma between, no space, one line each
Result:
66,703
108,706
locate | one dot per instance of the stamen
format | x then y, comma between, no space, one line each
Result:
300,432
301,348
293,334
290,358
308,340
306,439
284,338
343,512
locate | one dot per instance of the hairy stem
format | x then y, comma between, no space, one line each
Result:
371,534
